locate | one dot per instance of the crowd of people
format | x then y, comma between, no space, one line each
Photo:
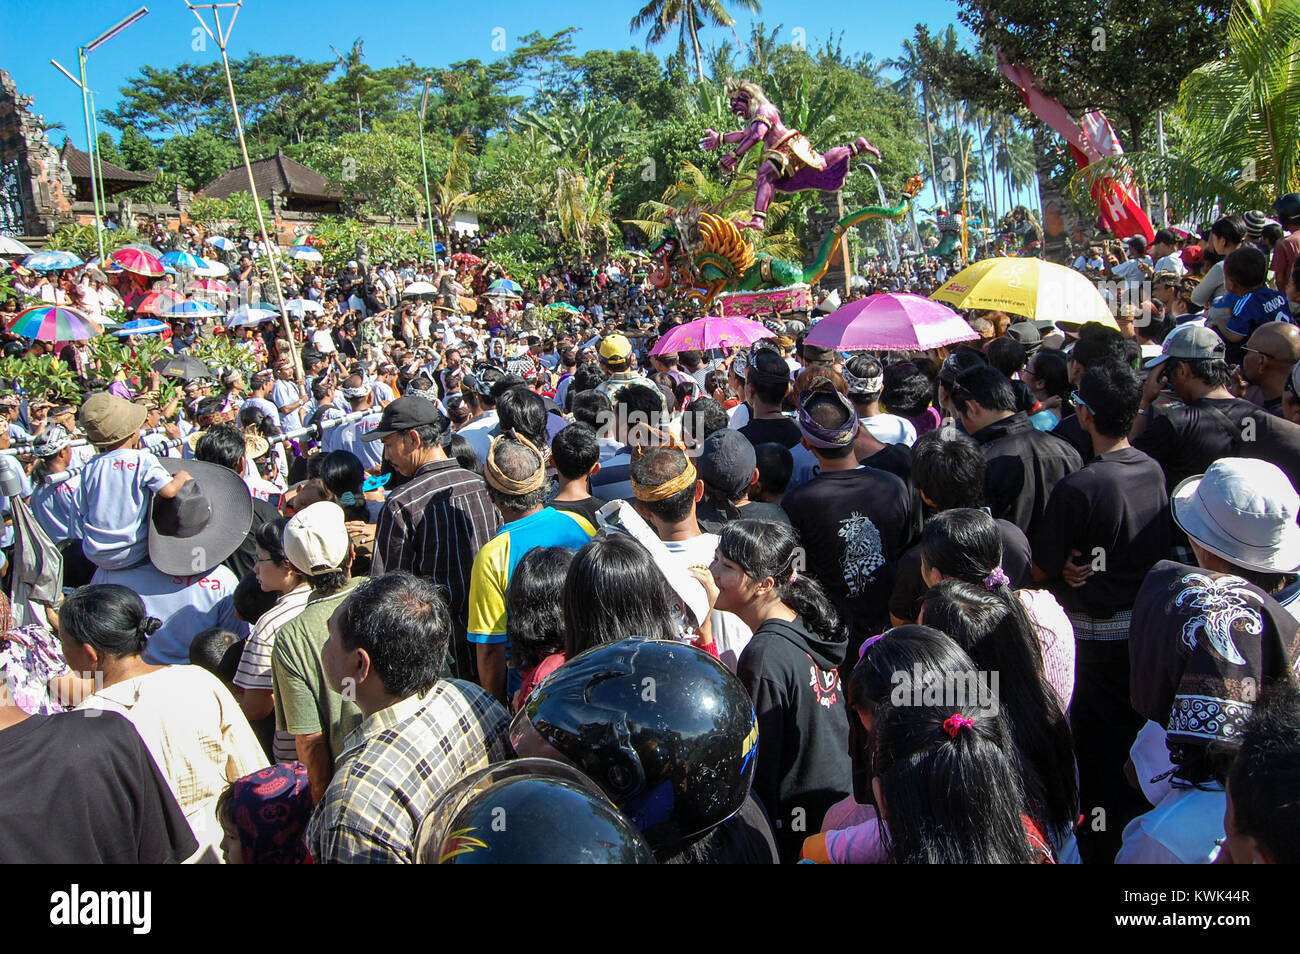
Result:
1029,599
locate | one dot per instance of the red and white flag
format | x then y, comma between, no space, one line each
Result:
1090,139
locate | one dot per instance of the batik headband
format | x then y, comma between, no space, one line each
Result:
508,485
857,385
356,392
51,442
828,438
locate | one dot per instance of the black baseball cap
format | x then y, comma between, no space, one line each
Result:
404,414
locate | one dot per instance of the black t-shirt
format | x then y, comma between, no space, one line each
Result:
781,431
1186,440
241,561
910,588
711,520
1071,431
1115,512
586,508
894,458
82,788
854,525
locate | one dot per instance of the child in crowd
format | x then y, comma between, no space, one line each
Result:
575,452
114,498
264,817
534,624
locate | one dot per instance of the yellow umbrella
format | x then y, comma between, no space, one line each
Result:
1038,290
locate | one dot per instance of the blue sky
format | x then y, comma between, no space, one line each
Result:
430,33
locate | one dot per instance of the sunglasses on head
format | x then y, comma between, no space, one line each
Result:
1078,401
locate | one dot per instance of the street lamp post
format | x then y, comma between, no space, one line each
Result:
424,165
92,147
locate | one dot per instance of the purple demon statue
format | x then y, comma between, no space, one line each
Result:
790,164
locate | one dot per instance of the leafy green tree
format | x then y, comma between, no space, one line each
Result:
108,149
244,212
138,153
199,158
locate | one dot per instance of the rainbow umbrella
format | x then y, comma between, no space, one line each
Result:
156,302
138,261
705,334
52,261
182,260
193,309
53,323
141,326
893,322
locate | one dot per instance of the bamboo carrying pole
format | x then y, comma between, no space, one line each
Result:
221,39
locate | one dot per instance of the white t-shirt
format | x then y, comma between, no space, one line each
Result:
116,489
890,429
323,341
479,433
731,635
1173,262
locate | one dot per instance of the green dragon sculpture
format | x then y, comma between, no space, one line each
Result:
703,255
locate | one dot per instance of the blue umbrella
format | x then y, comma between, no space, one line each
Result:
52,261
183,260
193,307
504,287
439,247
220,241
250,315
141,326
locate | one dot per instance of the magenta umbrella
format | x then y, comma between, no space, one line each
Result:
891,322
705,334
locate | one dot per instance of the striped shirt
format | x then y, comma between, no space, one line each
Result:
254,670
396,764
433,526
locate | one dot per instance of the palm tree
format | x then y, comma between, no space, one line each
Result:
451,194
689,16
763,44
913,74
590,131
583,201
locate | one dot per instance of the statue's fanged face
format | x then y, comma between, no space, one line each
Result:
740,104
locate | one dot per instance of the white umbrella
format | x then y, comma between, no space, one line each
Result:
305,253
300,306
11,246
250,315
212,269
219,241
419,290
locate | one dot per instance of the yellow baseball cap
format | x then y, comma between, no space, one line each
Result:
615,348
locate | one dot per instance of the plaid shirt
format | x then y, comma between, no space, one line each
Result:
396,764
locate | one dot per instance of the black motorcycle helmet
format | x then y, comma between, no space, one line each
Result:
1287,209
666,731
528,811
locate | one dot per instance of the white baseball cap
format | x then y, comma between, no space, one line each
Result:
1243,510
316,540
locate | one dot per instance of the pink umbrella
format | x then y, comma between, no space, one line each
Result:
138,261
705,334
155,302
891,323
209,285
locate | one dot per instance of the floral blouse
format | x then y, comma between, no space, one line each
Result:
29,658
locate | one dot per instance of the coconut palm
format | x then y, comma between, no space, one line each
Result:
689,16
911,79
583,202
451,194
1236,122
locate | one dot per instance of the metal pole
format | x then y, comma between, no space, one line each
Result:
424,165
221,39
99,156
1164,195
90,149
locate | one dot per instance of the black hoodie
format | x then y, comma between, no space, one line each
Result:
803,730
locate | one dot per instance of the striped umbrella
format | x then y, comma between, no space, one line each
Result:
213,285
52,261
193,309
182,260
141,326
53,323
305,253
156,302
138,261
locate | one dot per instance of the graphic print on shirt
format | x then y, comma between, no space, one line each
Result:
825,684
863,552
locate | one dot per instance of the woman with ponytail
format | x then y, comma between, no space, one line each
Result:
791,669
990,624
191,724
966,545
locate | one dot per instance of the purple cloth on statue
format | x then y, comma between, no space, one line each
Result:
829,179
120,389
